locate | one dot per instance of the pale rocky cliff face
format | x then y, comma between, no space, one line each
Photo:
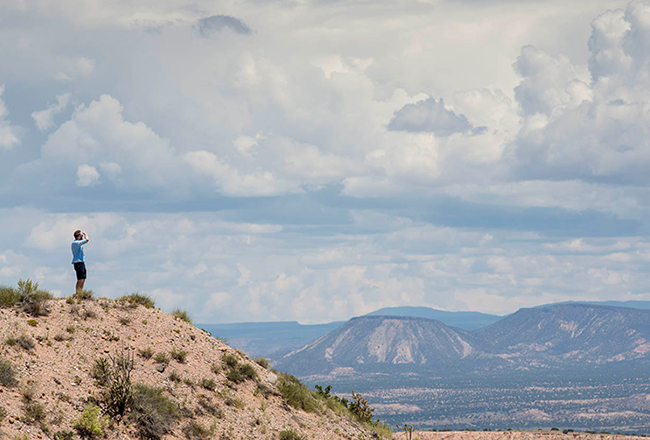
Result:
568,335
378,340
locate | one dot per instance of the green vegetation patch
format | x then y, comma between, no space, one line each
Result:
152,412
91,424
138,299
183,315
296,394
7,374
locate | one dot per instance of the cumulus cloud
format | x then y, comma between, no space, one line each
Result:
429,116
209,26
87,175
130,153
7,136
596,131
44,119
231,182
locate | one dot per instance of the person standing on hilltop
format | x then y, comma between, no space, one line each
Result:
80,238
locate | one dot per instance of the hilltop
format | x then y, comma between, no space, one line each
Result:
58,363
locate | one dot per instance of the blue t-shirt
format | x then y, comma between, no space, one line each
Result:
78,251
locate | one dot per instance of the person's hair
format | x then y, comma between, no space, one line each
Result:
77,233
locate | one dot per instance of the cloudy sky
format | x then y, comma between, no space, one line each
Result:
314,160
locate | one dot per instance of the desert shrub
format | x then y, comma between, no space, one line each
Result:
210,407
289,435
9,296
229,360
32,322
3,413
296,394
153,413
179,355
33,300
161,358
194,430
138,299
262,362
182,315
63,435
22,341
216,369
360,409
146,353
83,295
208,384
118,396
175,377
234,375
61,337
248,371
381,429
33,413
101,371
7,374
91,424
125,320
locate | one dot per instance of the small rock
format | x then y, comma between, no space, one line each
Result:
160,368
272,377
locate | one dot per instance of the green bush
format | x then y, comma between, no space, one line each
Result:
33,413
161,358
179,355
3,413
262,362
7,374
33,300
296,394
208,384
175,377
138,299
194,430
63,435
230,360
22,341
118,396
9,296
153,413
360,409
101,371
289,435
210,407
182,315
146,353
248,371
83,295
90,424
234,375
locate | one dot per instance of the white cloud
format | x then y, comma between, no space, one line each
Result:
231,182
44,119
98,133
87,175
8,138
72,68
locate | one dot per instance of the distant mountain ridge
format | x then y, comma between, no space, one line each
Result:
465,320
275,339
558,336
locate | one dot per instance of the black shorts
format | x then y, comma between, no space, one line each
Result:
80,269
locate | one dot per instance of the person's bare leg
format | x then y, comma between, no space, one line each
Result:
80,285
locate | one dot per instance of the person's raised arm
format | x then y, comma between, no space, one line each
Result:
85,236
